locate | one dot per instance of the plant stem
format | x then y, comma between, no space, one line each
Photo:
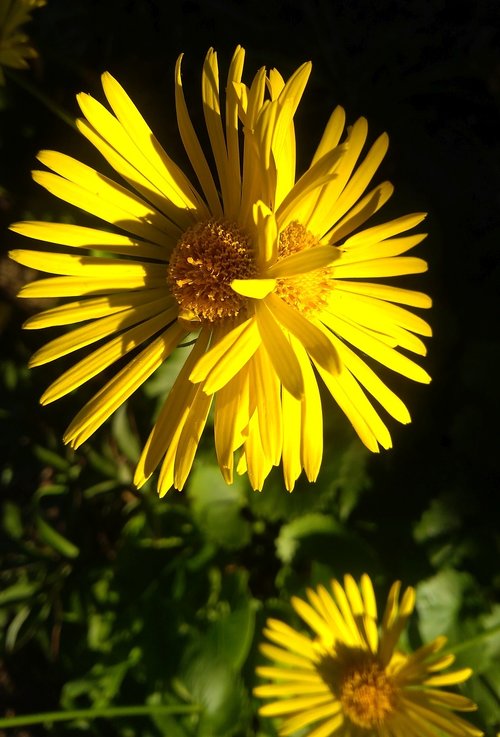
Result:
39,95
107,712
473,641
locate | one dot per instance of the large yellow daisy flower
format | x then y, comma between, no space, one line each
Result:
260,269
15,45
349,680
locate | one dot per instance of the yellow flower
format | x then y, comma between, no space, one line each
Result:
257,267
15,46
350,680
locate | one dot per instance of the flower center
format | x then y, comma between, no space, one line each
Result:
308,292
367,694
206,259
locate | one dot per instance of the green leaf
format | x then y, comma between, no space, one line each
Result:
232,635
292,533
49,458
101,684
21,591
168,725
214,684
12,521
125,437
439,600
14,628
55,540
216,507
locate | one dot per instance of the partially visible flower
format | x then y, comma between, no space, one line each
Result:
350,680
15,46
266,270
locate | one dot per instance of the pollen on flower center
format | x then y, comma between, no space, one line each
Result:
308,292
206,259
367,694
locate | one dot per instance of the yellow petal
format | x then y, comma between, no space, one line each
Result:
316,342
254,288
380,267
386,292
227,356
101,328
192,146
99,360
303,262
172,417
281,353
180,189
81,237
122,386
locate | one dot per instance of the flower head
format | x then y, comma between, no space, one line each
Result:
350,680
15,46
261,267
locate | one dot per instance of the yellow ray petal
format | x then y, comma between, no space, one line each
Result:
88,266
172,416
369,379
312,618
292,426
91,183
103,357
81,237
380,249
386,292
360,213
265,387
232,415
377,349
278,708
192,146
90,309
279,350
232,134
182,216
190,436
331,135
137,219
71,286
125,154
385,230
100,328
303,262
180,188
254,288
267,236
227,356
380,267
316,343
311,428
122,386
329,727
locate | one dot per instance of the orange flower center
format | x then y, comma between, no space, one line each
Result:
206,259
307,292
367,694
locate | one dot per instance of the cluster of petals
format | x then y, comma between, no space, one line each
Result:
15,44
282,291
349,679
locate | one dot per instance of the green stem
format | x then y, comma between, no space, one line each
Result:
39,95
107,712
473,641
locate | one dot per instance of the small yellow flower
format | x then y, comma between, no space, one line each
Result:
15,46
262,269
350,680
